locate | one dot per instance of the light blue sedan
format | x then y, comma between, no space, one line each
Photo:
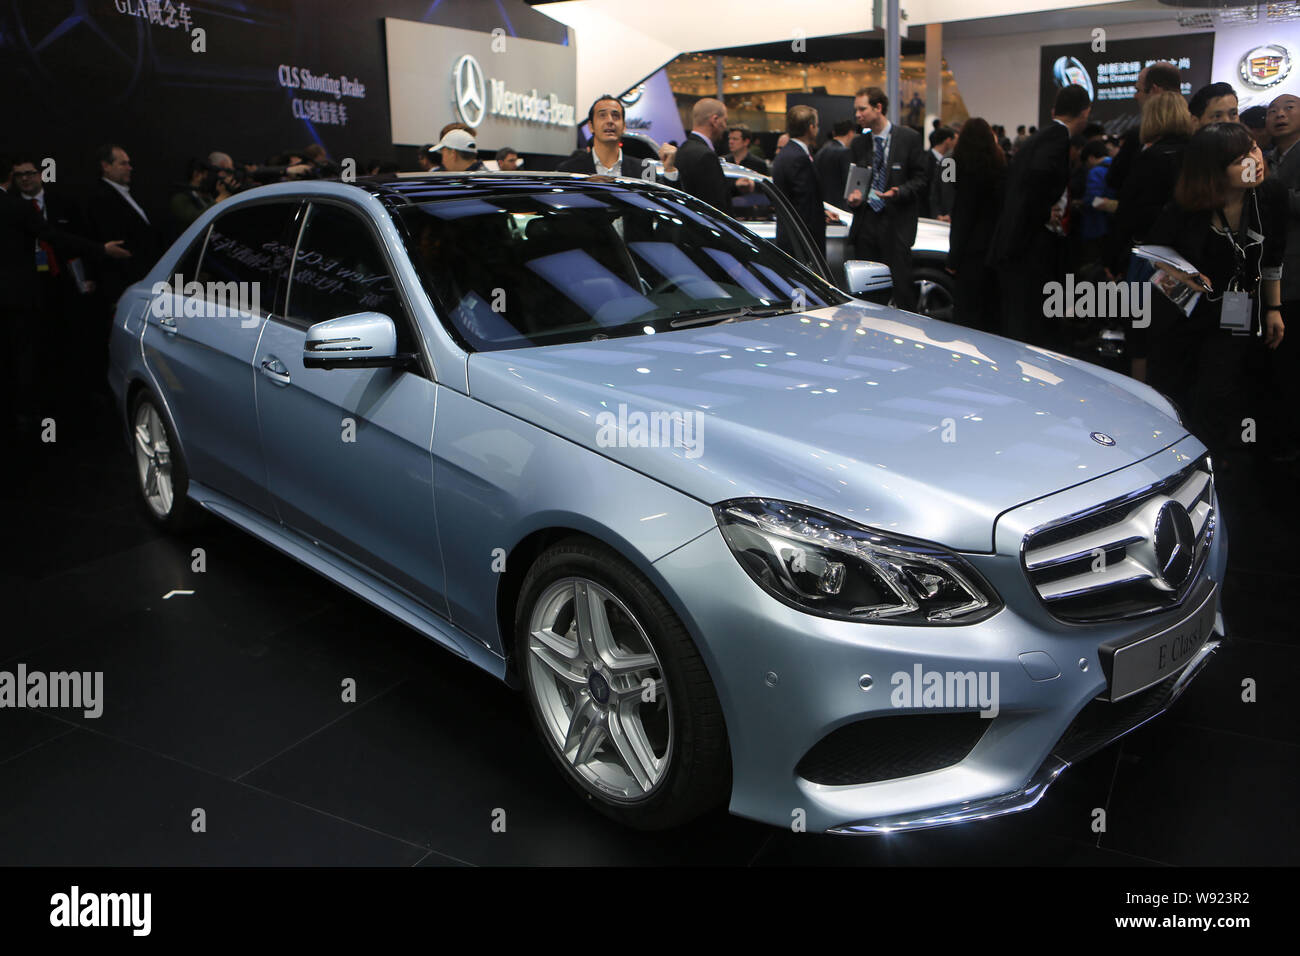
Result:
739,537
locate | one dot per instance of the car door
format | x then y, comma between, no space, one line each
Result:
348,451
200,338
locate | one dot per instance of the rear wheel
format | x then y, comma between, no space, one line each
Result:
617,690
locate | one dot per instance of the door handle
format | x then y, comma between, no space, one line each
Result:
168,324
275,370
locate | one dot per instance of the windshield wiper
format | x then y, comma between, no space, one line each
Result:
703,316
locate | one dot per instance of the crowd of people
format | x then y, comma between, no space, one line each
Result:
1063,202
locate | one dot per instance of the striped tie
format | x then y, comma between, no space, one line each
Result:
878,174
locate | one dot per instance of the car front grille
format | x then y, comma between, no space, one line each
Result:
1136,555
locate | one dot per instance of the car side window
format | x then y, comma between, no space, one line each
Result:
187,266
249,246
341,270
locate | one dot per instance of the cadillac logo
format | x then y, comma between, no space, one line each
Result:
1175,544
1101,438
1265,66
470,90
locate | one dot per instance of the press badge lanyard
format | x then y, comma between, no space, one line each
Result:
1236,311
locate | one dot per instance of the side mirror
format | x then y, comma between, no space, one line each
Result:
362,340
862,275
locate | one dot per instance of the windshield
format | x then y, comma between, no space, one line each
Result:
544,266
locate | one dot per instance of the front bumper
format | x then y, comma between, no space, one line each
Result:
787,680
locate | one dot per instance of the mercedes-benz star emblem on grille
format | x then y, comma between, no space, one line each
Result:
1175,544
470,90
1101,438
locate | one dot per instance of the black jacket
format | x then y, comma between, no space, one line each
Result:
1148,186
109,217
752,162
795,175
832,164
906,170
1039,174
20,226
1192,234
1287,172
943,192
701,173
977,203
586,164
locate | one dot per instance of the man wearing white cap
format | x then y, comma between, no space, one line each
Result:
459,152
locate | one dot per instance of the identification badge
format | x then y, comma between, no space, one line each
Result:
42,260
1236,312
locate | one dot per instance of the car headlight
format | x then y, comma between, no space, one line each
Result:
828,566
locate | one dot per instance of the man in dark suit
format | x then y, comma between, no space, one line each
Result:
832,163
606,157
113,213
739,140
694,166
1028,245
884,221
794,173
22,228
1283,391
1151,80
942,190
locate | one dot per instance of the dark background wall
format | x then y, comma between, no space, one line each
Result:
77,74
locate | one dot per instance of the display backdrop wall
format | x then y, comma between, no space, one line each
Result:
273,75
513,91
998,75
1109,76
1261,61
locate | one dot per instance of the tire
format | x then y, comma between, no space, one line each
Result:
936,292
162,479
641,737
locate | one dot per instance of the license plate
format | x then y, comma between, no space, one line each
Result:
1148,660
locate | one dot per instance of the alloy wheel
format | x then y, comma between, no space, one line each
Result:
153,460
600,689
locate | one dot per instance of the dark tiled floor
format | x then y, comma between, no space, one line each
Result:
229,700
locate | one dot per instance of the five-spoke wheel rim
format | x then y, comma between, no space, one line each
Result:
600,689
153,460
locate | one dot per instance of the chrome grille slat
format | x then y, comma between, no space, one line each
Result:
1107,538
1126,571
1059,558
1192,490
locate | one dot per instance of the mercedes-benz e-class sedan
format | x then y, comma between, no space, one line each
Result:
739,537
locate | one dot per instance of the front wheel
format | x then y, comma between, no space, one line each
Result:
935,291
617,690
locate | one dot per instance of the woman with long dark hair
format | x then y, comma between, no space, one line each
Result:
1228,219
981,173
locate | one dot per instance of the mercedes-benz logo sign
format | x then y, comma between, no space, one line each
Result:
1101,438
469,89
1175,543
599,688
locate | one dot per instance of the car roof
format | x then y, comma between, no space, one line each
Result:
433,187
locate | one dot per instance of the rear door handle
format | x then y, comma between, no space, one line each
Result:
275,370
